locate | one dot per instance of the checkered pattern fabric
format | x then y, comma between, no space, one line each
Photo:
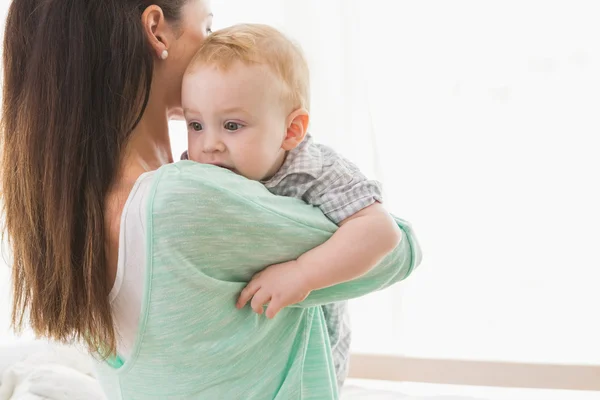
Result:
321,177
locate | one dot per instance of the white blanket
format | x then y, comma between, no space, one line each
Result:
37,371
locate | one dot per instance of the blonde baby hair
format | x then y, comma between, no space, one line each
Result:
256,44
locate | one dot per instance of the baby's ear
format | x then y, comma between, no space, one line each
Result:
296,128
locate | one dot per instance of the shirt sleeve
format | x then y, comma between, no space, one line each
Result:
228,228
321,177
342,190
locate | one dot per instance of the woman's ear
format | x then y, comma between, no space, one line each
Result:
296,128
156,30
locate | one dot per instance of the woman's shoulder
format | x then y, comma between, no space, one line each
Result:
191,177
189,190
208,219
187,185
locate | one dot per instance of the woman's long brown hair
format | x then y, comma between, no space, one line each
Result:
77,78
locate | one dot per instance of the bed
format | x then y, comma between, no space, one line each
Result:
37,370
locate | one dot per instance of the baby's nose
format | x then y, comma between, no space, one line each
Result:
213,143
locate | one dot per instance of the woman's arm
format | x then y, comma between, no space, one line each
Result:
229,228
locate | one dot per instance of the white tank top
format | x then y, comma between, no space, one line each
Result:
126,294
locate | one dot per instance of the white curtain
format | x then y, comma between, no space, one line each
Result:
486,123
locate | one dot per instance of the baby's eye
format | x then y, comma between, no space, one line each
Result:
209,31
232,126
197,126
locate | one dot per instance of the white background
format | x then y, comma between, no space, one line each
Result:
481,119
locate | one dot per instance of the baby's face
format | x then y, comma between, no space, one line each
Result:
235,119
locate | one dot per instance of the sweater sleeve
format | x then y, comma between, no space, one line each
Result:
228,228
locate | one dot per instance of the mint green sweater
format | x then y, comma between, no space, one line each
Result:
208,232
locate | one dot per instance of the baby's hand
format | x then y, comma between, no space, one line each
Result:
280,285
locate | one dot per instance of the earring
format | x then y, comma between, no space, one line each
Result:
164,55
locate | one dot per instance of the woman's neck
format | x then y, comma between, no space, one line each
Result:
149,146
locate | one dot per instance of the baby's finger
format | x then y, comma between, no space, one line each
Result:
247,293
274,307
256,275
261,298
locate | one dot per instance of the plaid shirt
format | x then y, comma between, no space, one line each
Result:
321,177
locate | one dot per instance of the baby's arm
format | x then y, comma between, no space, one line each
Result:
356,247
366,235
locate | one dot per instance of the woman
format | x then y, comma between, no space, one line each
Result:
140,259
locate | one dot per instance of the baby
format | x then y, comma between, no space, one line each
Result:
245,97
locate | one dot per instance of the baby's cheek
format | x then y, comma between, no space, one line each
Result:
194,151
255,169
252,166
